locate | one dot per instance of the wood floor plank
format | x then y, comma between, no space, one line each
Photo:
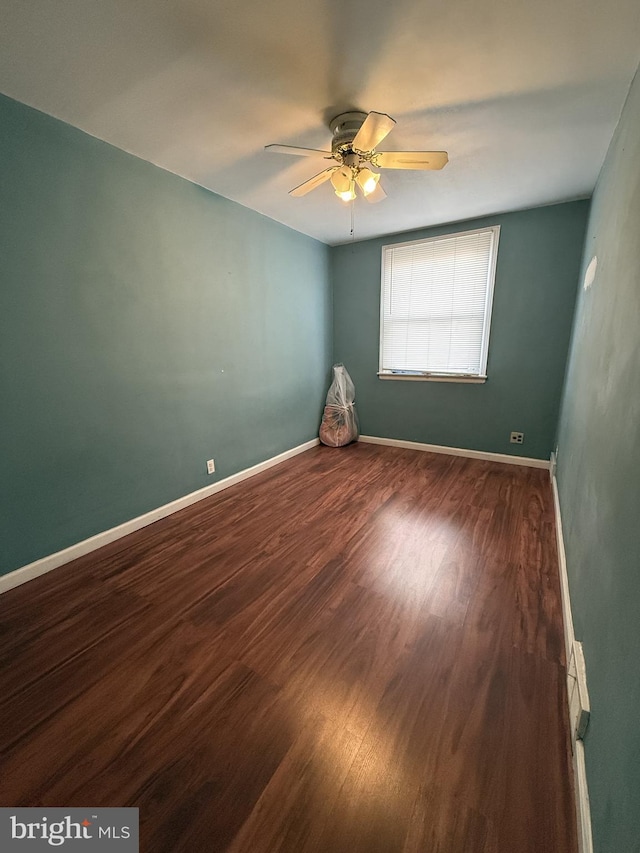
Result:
357,651
293,811
94,615
442,824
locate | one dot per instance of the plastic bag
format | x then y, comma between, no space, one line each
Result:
339,422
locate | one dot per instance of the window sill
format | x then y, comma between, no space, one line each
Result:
433,377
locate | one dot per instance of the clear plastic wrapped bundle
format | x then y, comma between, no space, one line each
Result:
339,422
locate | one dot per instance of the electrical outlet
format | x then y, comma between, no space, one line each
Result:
517,438
211,466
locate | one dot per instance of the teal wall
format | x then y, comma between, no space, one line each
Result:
599,485
146,325
538,266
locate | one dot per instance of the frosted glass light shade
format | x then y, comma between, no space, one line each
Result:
367,180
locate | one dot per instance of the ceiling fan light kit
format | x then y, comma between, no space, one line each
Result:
341,179
367,179
348,195
353,148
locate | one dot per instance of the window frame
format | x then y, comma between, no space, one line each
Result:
439,376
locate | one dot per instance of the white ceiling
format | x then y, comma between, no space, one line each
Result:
523,95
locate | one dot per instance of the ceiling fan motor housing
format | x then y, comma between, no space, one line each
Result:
344,128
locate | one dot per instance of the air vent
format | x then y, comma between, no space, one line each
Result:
579,707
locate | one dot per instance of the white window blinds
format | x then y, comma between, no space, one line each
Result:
436,304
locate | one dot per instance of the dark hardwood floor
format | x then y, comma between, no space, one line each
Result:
358,651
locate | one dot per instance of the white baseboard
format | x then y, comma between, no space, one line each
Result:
567,617
458,451
583,810
53,561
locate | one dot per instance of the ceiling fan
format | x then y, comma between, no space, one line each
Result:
353,148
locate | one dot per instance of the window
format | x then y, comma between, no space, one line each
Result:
436,306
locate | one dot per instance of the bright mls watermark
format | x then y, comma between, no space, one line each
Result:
103,830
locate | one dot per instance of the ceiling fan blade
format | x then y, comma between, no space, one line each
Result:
374,129
312,183
377,195
299,152
410,159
